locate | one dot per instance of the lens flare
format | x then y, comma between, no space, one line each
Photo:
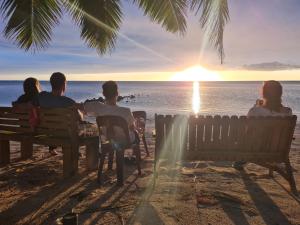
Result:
196,97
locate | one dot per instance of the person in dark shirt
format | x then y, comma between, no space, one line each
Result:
55,98
31,87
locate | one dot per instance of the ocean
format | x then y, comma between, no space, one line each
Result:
216,98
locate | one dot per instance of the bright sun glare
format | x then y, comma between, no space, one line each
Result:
196,73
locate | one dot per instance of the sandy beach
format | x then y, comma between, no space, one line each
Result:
34,192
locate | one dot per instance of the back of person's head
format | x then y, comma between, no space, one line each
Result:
31,86
272,93
58,81
110,89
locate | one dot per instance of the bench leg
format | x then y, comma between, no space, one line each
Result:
4,152
120,166
92,150
110,159
271,174
291,179
75,158
137,152
68,161
26,149
145,144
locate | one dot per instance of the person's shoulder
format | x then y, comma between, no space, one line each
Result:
124,109
89,104
286,110
257,111
44,93
68,99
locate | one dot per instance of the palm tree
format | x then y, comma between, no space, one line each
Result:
29,23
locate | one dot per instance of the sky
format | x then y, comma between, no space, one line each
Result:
261,42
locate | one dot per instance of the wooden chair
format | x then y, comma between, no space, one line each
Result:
265,141
141,117
112,145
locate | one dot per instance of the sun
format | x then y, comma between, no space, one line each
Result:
196,73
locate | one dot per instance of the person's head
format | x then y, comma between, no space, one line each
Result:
31,86
110,90
272,93
58,82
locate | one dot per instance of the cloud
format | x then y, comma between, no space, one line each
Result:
270,66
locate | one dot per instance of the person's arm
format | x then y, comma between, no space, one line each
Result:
93,108
252,112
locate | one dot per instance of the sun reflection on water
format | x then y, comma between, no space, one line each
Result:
196,97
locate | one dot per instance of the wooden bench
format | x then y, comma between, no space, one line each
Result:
265,141
57,127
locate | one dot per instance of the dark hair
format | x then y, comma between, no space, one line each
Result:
31,86
272,93
110,89
57,80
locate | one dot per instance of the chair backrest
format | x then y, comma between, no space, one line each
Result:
61,122
139,114
140,117
266,139
14,121
109,122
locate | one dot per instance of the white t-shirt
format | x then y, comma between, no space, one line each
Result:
262,111
99,109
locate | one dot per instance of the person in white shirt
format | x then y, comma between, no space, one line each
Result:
271,105
110,108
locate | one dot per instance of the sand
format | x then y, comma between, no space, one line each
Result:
34,192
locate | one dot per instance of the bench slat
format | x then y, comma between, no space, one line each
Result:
200,133
192,133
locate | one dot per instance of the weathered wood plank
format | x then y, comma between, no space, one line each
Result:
216,132
4,152
208,132
224,132
159,134
200,133
16,129
15,122
192,133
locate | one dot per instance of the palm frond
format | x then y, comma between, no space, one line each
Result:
171,14
99,21
215,15
30,22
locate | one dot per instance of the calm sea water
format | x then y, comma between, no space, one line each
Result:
222,98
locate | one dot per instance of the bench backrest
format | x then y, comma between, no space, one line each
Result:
260,139
14,121
61,122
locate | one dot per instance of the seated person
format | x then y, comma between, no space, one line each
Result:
31,87
110,107
271,105
55,98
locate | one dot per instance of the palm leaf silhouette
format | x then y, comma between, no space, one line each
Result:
30,23
215,15
171,14
98,20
